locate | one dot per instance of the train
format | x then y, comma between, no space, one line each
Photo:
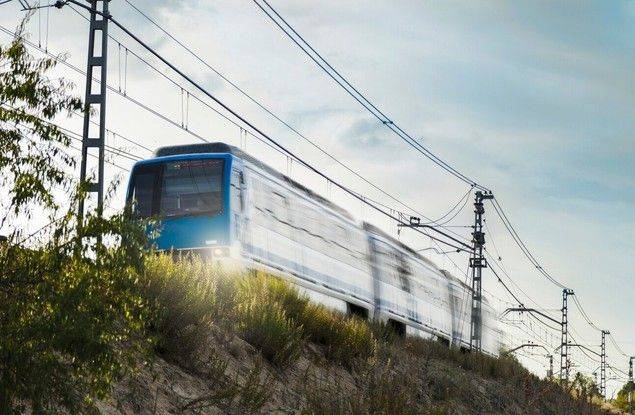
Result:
217,201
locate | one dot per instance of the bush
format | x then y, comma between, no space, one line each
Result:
186,296
264,324
346,338
71,325
263,299
493,367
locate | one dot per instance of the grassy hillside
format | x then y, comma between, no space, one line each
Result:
226,343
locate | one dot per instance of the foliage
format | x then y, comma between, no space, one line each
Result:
184,296
493,367
346,339
621,401
33,157
70,309
263,320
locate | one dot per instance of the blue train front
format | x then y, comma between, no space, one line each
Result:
188,190
220,202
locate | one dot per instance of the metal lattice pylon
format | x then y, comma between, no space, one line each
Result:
477,263
564,337
95,101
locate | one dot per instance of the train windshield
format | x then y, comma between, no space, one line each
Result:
178,188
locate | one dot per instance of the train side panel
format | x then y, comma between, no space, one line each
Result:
409,290
289,232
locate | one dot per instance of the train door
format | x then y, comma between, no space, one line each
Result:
238,205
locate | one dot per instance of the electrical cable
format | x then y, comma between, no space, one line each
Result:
465,197
510,228
359,97
356,195
270,112
576,301
182,88
617,347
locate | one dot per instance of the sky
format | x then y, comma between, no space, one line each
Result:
535,100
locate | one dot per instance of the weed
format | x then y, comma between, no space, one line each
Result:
255,391
264,323
346,339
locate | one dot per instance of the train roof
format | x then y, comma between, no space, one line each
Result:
220,147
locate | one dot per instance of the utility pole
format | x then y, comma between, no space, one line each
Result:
564,337
630,368
603,364
95,101
477,263
550,374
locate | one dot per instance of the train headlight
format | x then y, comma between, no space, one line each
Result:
220,252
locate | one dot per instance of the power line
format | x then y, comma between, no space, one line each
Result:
506,274
273,142
510,228
162,74
463,199
584,314
273,114
77,137
617,347
506,287
358,96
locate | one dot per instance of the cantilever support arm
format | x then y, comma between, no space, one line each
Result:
531,310
580,346
526,345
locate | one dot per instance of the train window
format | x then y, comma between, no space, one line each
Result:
192,187
237,198
404,270
143,189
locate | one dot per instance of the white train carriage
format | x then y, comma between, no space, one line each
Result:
411,293
289,229
221,202
460,306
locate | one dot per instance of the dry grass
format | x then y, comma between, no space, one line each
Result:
373,371
189,295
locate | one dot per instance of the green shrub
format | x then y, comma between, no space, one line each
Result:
261,285
186,296
492,367
263,323
346,339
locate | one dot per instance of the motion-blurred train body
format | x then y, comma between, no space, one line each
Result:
219,201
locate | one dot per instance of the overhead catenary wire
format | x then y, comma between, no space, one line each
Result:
177,124
506,287
185,127
617,347
585,316
512,231
290,153
271,113
78,137
314,55
464,199
266,137
318,59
